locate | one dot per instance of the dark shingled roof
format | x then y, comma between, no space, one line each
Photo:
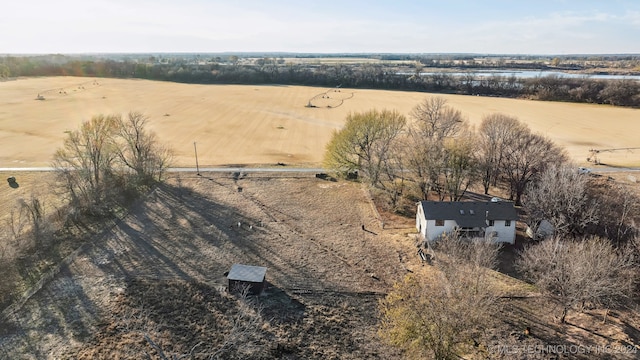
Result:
469,213
247,273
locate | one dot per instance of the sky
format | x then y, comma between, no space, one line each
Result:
541,27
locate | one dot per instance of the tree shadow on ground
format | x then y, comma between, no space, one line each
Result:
180,233
184,235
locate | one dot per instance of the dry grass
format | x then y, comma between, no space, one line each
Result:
159,272
326,275
39,184
267,124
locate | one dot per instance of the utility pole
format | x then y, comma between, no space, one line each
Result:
196,150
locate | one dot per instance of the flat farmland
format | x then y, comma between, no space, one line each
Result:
265,125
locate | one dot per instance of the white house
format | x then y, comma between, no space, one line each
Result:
495,220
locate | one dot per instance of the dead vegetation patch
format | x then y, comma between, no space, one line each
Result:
160,272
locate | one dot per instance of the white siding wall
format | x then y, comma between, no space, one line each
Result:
421,223
506,234
429,230
434,232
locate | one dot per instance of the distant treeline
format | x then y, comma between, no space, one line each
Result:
624,92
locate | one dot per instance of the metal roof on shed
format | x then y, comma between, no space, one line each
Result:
247,273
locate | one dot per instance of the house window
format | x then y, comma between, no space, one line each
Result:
439,222
507,223
491,223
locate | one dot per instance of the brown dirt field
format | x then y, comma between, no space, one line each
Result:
326,275
160,271
268,124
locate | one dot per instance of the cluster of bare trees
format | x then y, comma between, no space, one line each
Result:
103,163
510,152
579,274
28,225
591,261
438,152
443,317
578,205
107,156
560,195
192,68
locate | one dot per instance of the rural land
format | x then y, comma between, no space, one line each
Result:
128,264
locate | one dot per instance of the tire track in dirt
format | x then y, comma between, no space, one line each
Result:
285,220
331,102
283,224
276,226
289,222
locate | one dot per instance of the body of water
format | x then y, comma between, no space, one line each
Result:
527,74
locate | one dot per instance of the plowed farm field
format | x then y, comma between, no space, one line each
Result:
266,125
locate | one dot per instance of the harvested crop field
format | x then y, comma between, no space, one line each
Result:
27,183
247,124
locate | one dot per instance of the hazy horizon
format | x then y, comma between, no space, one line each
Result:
303,54
546,27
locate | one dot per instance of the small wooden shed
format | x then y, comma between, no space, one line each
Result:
247,276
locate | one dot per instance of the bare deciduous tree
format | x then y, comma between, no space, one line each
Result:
92,161
619,209
424,163
442,316
38,222
437,155
460,165
139,150
28,225
559,195
13,234
437,120
581,273
495,132
84,162
526,155
393,179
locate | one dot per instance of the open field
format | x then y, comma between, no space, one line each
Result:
235,124
326,274
159,271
